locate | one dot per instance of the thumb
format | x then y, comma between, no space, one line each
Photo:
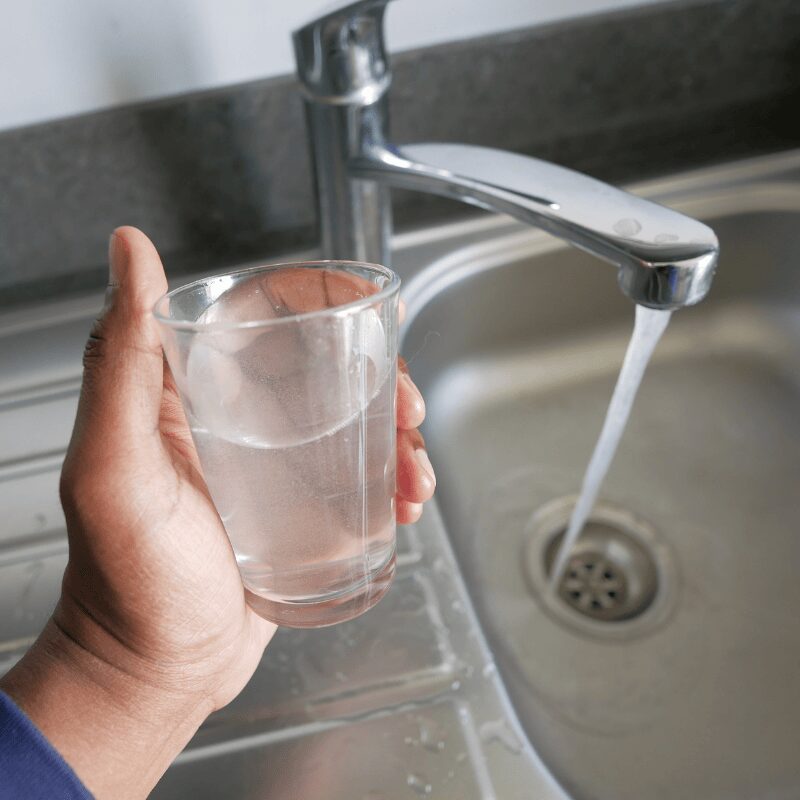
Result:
123,362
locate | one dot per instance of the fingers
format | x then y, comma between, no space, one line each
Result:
172,423
410,405
123,365
416,480
301,290
408,513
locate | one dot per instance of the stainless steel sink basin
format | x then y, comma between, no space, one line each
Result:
685,684
516,342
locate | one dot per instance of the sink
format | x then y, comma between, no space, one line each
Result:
469,681
516,341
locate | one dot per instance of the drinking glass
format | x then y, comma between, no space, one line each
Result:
287,376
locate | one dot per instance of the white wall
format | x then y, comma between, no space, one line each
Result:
63,57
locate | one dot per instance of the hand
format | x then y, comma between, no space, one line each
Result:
152,632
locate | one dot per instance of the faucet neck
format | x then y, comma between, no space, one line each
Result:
341,56
344,71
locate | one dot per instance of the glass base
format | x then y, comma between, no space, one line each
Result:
326,612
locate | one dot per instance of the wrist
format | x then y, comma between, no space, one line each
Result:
87,705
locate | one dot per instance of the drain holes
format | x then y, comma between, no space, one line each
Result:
619,579
610,575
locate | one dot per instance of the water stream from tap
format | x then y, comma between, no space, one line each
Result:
649,326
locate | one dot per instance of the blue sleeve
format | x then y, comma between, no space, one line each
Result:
30,767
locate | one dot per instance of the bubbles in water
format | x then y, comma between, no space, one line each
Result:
649,326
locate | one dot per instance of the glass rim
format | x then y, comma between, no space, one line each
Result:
387,291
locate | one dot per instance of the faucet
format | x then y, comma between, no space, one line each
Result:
665,259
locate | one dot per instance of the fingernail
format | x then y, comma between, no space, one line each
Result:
414,390
116,254
422,459
415,510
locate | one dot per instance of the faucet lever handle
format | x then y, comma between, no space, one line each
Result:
341,55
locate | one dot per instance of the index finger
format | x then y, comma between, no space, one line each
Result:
302,289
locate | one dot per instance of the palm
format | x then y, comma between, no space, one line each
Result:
206,598
166,583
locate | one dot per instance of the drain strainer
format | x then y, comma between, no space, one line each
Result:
619,579
609,576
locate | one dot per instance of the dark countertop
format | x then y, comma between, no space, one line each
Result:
222,176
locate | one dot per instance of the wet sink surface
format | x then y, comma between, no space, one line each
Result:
516,344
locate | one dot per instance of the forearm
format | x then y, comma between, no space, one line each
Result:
117,733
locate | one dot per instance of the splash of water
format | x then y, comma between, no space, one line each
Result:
649,326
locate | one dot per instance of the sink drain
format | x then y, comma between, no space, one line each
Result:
609,576
620,576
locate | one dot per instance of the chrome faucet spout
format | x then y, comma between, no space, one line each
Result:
665,260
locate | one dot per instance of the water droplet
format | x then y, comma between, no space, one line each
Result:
627,227
455,685
489,669
429,737
460,757
341,677
456,605
419,784
666,238
499,731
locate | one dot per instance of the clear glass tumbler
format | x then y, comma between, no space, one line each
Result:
287,375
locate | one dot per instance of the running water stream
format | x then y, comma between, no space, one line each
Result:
649,326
